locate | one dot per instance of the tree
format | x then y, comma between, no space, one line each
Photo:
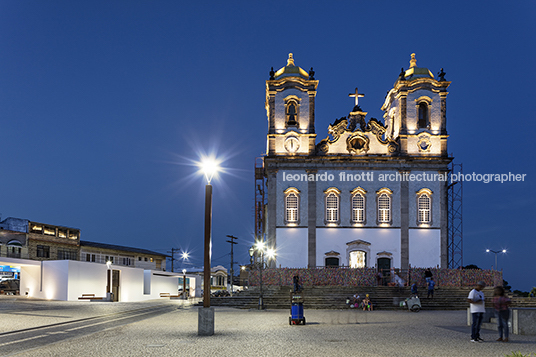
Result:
471,266
506,286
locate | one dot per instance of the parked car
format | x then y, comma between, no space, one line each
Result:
9,286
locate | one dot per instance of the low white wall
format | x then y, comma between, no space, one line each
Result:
69,280
85,278
30,281
164,284
130,284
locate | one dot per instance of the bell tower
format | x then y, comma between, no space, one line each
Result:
290,107
415,112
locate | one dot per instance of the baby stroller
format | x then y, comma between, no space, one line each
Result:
412,303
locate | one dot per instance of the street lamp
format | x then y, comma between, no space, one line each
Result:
260,247
205,326
496,252
184,284
109,280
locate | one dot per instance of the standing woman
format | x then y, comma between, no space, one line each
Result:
501,303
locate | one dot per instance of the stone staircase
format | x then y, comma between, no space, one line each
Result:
329,297
382,297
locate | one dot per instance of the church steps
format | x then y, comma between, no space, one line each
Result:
383,298
327,297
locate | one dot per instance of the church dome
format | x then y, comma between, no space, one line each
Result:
415,72
291,70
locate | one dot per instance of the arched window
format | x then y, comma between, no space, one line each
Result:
14,248
424,206
332,205
292,113
292,206
384,205
358,205
423,115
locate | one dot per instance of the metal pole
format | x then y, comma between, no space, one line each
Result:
232,259
496,267
172,258
261,302
232,270
208,228
184,296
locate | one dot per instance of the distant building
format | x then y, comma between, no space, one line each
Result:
120,255
22,238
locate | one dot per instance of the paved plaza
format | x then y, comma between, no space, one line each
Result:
169,328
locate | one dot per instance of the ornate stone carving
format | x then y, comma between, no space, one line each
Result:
337,128
376,128
357,143
424,144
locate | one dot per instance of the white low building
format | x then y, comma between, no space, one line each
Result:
68,280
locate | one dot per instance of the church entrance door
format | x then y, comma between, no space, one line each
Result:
115,285
332,262
384,267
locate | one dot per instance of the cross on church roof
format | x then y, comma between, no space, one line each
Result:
356,95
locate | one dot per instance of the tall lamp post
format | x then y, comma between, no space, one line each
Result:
496,252
205,325
184,296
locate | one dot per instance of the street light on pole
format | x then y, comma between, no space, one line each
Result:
260,248
184,296
496,252
205,326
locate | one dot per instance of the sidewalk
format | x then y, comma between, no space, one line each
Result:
267,333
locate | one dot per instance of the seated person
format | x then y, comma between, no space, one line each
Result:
367,304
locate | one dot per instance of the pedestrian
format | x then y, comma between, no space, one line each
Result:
477,307
431,285
296,281
501,303
414,289
428,275
379,278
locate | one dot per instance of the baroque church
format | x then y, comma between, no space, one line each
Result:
369,194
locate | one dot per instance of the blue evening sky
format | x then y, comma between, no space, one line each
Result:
105,104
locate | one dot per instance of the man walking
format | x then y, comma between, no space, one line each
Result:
431,285
476,300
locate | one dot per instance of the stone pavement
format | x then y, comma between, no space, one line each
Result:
267,333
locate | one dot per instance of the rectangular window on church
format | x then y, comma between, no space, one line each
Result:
332,208
424,209
291,205
384,208
358,208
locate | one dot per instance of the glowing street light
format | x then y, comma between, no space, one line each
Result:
109,280
260,247
496,252
209,166
184,296
185,256
205,326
